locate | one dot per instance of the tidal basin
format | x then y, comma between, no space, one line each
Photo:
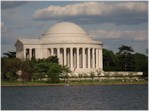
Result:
87,97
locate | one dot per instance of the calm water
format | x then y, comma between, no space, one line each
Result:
99,97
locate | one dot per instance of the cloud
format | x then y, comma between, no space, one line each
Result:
137,35
11,4
94,12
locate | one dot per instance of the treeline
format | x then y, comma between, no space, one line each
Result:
125,60
14,69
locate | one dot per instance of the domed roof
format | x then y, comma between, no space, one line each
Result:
65,28
66,32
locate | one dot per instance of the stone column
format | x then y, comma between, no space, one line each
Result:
71,57
97,61
89,56
100,59
30,53
64,56
52,51
77,57
58,54
83,57
68,57
93,58
24,54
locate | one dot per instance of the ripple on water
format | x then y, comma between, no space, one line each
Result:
97,97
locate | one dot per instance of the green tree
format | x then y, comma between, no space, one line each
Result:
11,76
10,67
141,63
41,70
3,68
10,54
27,69
54,72
65,71
109,60
52,59
125,58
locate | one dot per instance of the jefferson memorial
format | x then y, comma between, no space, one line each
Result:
69,42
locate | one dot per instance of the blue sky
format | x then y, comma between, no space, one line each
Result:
114,23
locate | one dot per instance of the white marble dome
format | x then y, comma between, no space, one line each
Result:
66,32
65,28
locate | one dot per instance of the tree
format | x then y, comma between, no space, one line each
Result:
10,54
11,76
54,72
125,58
52,59
10,68
3,68
41,70
141,63
65,71
27,69
109,59
49,68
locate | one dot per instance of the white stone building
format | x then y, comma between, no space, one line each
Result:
72,45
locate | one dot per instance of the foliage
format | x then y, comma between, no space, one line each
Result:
52,59
125,50
10,54
54,72
109,59
49,68
9,68
40,70
141,63
28,66
11,76
35,69
125,58
65,71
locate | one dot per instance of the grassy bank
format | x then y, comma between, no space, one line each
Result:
7,83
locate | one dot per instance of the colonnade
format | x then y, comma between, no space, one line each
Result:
78,57
29,53
72,57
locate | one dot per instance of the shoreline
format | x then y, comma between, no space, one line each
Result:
75,84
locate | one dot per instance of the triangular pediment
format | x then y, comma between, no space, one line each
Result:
18,43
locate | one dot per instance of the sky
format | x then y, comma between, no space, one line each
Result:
115,23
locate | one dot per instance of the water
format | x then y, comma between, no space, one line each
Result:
96,97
